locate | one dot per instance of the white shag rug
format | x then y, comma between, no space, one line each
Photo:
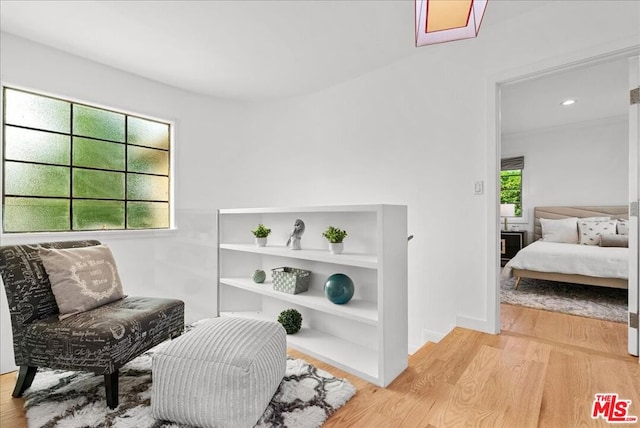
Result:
306,397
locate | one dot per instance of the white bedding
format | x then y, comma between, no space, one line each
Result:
590,260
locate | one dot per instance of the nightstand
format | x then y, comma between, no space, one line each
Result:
511,242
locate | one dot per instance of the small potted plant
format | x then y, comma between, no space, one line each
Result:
291,320
261,232
335,237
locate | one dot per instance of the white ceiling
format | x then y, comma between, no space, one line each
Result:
234,49
269,49
600,90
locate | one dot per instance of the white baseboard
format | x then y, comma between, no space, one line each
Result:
427,336
413,348
475,324
433,336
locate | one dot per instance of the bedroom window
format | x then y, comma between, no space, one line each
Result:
70,166
511,182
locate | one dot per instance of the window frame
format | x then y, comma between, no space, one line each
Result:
523,218
80,234
521,174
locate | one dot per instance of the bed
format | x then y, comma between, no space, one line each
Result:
567,262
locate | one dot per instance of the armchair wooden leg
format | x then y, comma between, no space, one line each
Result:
517,282
111,388
25,378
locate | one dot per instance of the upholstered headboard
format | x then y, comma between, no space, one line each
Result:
615,211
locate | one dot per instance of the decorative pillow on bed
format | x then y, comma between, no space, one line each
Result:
591,231
623,226
614,240
563,230
81,278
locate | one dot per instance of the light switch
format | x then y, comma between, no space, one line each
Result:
478,187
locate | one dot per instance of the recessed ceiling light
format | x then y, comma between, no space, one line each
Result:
568,102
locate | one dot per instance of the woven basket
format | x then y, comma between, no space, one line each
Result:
290,280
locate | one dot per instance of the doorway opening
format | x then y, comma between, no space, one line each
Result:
573,155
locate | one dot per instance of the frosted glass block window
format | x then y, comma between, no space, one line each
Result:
147,187
94,184
73,166
98,123
141,159
147,215
148,133
27,179
29,110
91,214
36,146
36,214
99,154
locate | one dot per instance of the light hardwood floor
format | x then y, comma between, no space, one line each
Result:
541,371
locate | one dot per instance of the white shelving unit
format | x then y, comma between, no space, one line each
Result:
359,260
366,336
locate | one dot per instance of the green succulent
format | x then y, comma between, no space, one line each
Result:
291,320
261,231
334,235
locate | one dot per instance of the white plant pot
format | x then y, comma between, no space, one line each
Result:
336,248
261,242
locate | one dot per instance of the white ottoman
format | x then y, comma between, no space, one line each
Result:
223,373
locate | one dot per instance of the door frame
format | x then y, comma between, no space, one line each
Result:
634,196
494,85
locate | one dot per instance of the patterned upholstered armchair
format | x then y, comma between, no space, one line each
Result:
99,340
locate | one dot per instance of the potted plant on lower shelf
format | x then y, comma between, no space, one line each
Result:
335,237
291,320
261,232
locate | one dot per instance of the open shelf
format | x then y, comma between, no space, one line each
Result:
357,310
366,336
343,354
369,261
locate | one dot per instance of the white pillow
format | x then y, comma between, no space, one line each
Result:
590,231
594,218
623,226
563,230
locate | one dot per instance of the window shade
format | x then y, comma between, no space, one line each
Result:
509,164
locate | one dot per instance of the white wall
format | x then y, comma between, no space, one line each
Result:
578,164
414,132
201,123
